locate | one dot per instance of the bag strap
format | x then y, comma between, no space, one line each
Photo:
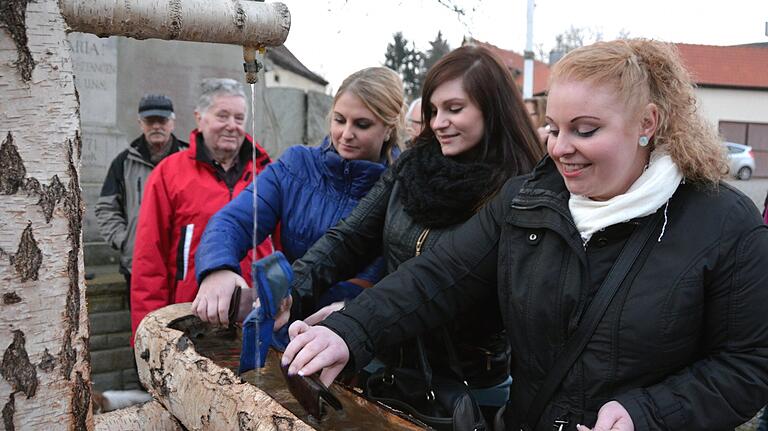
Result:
426,369
454,364
581,336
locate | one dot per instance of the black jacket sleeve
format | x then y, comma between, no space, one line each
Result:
426,291
344,251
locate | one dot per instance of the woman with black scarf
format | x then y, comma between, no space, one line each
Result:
477,135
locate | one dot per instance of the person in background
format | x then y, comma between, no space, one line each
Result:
414,124
765,209
118,206
307,191
184,191
477,135
537,108
682,345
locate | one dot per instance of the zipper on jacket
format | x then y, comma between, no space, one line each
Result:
421,240
347,176
139,188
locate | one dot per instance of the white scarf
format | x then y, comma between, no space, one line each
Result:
648,193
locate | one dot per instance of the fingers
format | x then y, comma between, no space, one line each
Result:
223,310
212,311
322,349
328,375
214,296
324,312
315,318
240,281
611,417
196,305
298,327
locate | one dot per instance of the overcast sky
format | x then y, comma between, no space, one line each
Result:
337,37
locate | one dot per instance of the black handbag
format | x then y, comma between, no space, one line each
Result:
445,403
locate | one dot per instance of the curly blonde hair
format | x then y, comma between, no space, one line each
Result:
647,71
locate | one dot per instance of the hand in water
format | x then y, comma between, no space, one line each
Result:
324,312
611,417
313,349
215,294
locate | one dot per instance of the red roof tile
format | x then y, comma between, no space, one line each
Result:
731,66
515,63
728,66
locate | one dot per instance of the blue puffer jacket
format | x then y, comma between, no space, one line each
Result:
307,191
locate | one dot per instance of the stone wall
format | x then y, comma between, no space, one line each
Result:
111,353
111,75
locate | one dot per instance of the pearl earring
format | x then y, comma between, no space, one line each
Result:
643,141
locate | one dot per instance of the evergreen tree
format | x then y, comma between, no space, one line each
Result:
408,62
437,49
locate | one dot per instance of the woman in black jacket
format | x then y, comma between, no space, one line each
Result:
683,343
476,136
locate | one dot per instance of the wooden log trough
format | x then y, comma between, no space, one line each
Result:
203,394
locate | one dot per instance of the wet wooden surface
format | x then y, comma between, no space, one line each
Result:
222,346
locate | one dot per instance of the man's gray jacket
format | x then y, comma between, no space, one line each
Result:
117,209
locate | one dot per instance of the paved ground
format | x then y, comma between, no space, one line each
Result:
754,188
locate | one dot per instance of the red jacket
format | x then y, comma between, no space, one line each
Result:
181,194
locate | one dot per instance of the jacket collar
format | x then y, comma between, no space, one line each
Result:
200,153
542,202
140,148
358,175
544,187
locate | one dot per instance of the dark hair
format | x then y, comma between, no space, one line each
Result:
540,106
509,140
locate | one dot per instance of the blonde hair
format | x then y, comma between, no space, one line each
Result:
647,71
381,91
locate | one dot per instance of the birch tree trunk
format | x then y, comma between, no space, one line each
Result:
45,366
197,392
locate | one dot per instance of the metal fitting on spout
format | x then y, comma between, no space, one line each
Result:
251,65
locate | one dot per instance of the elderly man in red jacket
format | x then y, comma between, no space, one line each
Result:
184,191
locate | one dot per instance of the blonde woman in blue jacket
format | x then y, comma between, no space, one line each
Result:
307,191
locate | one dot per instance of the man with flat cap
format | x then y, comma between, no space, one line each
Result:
117,209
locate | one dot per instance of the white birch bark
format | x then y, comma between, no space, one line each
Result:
150,416
45,368
237,22
196,391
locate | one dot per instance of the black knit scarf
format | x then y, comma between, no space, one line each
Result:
438,191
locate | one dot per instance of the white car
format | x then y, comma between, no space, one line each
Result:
741,160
